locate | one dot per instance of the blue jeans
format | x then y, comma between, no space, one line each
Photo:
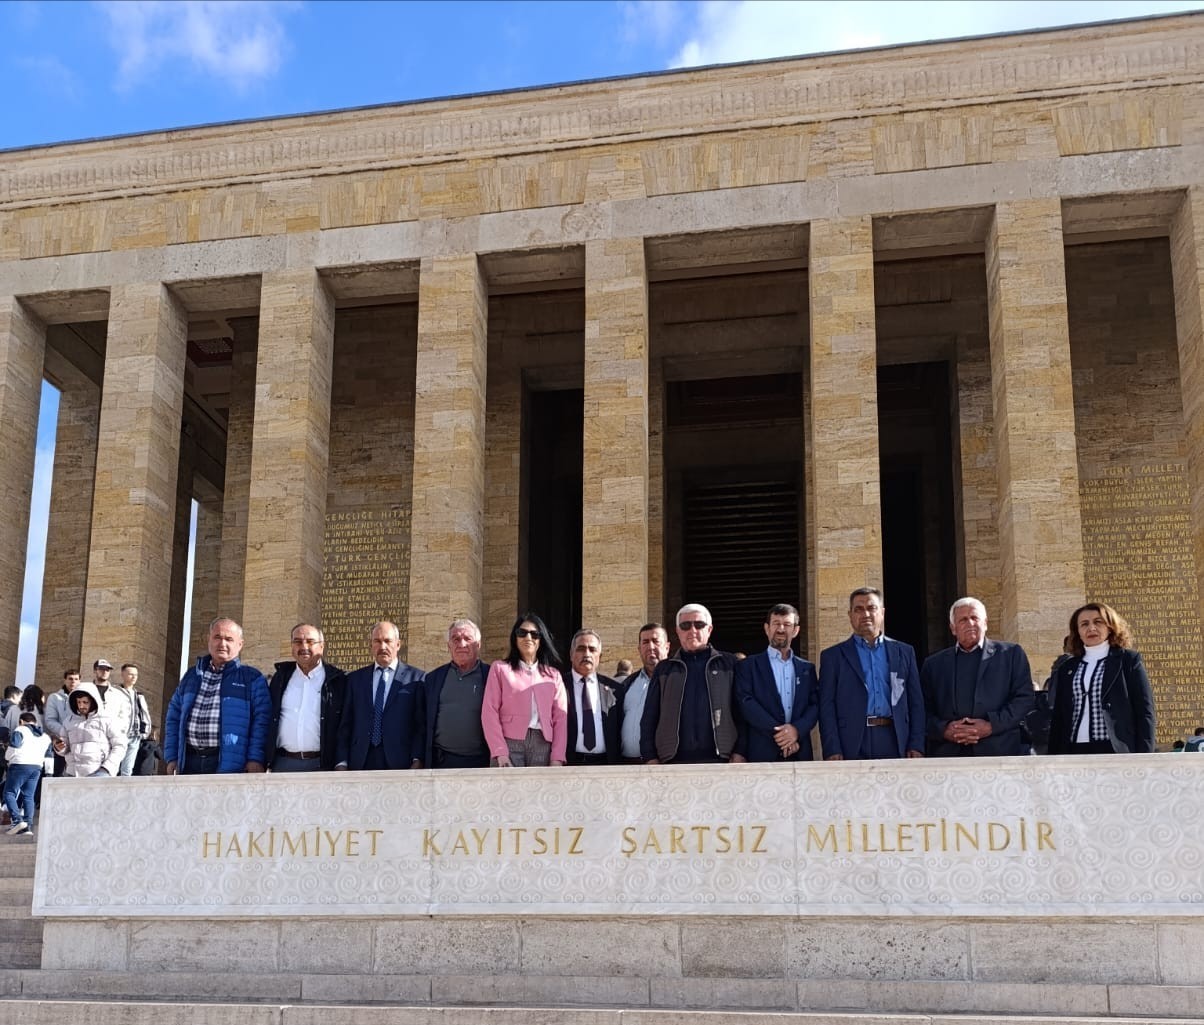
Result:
20,785
127,763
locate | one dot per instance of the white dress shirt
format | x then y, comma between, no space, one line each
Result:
301,711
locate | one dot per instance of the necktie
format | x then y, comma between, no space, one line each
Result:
378,707
589,732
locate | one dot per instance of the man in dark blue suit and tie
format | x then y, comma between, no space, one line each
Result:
384,719
778,693
977,692
870,702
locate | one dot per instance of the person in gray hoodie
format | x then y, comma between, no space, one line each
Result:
93,744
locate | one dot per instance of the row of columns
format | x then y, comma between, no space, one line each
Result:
271,522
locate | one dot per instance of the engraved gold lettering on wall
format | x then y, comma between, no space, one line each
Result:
366,578
684,839
1138,558
935,836
315,842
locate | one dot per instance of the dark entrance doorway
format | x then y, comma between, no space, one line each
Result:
551,502
734,538
918,537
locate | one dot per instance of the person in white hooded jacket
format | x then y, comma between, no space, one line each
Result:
93,744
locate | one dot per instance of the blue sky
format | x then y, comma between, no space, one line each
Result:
77,70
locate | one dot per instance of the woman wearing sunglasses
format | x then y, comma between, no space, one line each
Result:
525,710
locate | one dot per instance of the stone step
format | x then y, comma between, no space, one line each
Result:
751,996
66,1012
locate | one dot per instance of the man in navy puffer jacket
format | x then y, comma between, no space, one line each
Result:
217,720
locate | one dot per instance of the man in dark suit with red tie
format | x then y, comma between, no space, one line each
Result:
778,693
595,705
384,720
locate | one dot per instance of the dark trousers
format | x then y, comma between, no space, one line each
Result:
1092,747
196,764
451,760
880,742
287,763
375,758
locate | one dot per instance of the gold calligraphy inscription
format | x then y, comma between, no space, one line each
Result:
366,578
272,843
1138,557
936,835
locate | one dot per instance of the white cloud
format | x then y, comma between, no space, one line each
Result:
52,76
239,41
723,31
658,20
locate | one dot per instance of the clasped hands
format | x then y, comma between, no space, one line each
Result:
967,731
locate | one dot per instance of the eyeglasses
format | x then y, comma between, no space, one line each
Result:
693,624
533,634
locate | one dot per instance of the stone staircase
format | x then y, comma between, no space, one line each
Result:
20,932
30,995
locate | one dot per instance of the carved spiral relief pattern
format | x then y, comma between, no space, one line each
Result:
1112,835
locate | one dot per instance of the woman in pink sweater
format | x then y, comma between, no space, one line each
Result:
525,711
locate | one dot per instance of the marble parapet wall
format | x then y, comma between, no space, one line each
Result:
1114,836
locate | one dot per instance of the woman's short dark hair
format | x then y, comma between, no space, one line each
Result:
33,698
546,655
1119,635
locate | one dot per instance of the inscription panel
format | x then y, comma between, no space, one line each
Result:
366,579
1137,540
1119,835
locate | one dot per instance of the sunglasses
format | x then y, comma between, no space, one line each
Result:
694,624
533,634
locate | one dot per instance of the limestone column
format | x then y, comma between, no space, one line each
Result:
1187,268
206,565
448,513
237,488
979,558
286,521
22,355
844,504
614,516
69,525
656,495
134,501
1040,530
503,516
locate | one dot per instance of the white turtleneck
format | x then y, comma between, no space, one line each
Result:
1092,656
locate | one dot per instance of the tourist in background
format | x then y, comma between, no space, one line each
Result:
525,711
1102,697
92,743
26,758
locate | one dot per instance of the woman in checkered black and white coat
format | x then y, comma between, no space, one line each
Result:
1103,702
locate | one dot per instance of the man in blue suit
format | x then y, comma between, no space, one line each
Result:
978,691
384,719
870,703
778,694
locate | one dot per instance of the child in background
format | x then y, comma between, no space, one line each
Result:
26,753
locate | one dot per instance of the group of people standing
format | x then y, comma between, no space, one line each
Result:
94,728
695,704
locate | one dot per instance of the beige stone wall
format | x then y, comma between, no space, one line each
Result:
1040,530
236,491
289,461
448,532
69,528
1133,480
614,569
369,490
134,505
844,498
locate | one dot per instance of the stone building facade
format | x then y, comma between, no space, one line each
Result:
929,316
